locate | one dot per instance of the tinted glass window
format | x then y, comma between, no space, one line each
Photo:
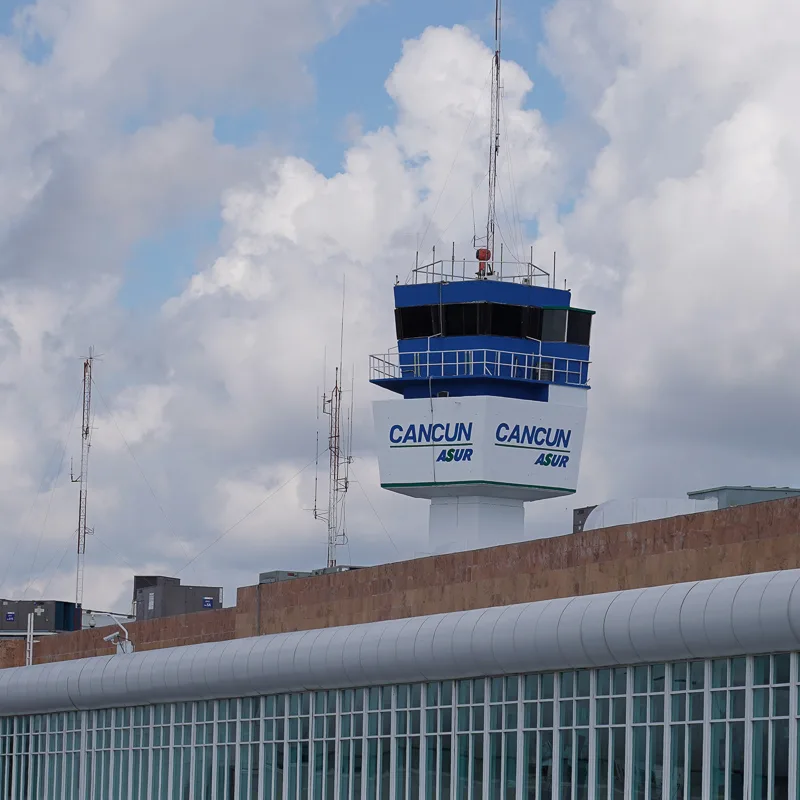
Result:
579,327
417,321
461,319
505,320
554,324
532,323
454,320
494,319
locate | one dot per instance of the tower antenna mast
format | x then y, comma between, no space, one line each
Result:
339,461
494,134
83,477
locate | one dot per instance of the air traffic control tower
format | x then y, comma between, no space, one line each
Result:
492,364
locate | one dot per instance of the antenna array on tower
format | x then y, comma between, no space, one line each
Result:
83,477
494,133
340,458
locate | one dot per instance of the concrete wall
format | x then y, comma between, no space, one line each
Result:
714,544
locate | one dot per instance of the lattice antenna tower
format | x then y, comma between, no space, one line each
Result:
494,131
339,460
83,477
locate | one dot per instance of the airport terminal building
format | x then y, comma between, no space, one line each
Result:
651,690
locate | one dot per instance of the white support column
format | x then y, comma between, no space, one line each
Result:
472,522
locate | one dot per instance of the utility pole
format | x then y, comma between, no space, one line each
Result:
83,477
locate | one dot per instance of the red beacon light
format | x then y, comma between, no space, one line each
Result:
483,255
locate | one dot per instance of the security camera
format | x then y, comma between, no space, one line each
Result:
112,637
92,620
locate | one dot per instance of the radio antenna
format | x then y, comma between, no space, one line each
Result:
494,134
83,478
339,461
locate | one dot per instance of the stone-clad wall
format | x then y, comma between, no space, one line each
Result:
735,541
12,653
152,634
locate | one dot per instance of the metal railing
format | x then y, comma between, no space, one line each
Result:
479,363
446,270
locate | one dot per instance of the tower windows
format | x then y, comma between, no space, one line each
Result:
494,319
579,326
414,322
554,325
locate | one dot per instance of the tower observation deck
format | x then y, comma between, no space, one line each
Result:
492,364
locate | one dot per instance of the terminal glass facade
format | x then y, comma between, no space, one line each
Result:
724,729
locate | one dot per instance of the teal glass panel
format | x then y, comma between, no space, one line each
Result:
545,764
695,761
446,745
656,770
530,764
639,763
477,766
780,759
510,766
760,758
718,758
602,761
462,766
401,775
677,757
566,758
581,791
736,761
496,766
617,788
431,767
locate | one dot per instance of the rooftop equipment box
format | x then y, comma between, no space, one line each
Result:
157,596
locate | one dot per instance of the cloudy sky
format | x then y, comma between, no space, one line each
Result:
185,183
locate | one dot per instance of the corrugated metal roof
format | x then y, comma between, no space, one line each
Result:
706,619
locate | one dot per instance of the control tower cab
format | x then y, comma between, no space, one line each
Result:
492,372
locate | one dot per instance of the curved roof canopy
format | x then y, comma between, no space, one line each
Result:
706,619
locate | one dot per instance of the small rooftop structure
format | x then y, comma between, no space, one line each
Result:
281,575
642,509
729,496
156,596
50,616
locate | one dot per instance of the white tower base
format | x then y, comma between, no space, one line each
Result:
472,522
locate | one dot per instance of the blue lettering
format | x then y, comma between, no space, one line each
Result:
540,460
451,433
437,427
411,435
564,438
467,453
564,460
501,427
527,434
464,431
514,435
442,456
399,429
458,454
537,438
552,437
424,433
